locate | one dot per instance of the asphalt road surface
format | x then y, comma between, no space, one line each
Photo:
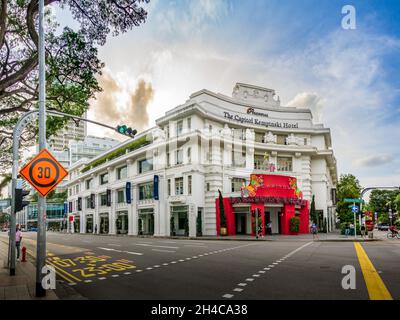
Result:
117,267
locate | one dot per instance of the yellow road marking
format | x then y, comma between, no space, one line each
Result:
65,272
375,286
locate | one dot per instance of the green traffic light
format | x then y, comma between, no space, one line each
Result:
122,129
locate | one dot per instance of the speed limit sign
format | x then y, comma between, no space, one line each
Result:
43,172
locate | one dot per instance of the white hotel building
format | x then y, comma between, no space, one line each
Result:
211,142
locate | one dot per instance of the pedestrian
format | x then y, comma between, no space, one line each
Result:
362,229
269,228
314,231
347,230
352,229
18,239
95,229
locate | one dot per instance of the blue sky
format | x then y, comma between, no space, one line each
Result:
350,78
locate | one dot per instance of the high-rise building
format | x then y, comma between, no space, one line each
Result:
72,131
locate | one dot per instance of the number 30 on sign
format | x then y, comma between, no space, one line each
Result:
43,172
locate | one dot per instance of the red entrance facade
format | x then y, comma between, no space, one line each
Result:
265,193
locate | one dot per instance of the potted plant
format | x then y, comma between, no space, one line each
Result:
294,225
222,222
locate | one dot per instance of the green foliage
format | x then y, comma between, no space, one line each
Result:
313,213
4,218
397,203
294,224
52,197
348,187
381,200
136,144
221,210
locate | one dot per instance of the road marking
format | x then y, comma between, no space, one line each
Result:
261,271
267,268
115,275
195,246
127,273
181,260
156,266
139,270
173,262
115,250
228,296
102,278
155,246
249,279
161,250
66,274
242,284
255,275
165,264
238,289
275,263
271,266
135,253
114,245
149,268
375,285
87,281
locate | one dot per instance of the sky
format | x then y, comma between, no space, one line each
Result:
348,77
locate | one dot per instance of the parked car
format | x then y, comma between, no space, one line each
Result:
383,226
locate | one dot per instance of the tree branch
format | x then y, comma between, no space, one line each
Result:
3,21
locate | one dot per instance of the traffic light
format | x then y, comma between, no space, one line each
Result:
20,203
127,131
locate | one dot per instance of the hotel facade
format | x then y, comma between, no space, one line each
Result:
213,149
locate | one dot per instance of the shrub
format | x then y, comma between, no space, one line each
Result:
294,224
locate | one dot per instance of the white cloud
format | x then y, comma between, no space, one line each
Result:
375,160
311,101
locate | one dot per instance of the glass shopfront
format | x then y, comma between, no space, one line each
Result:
122,222
104,223
89,223
180,220
146,221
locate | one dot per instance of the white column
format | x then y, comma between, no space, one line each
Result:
192,220
112,214
83,222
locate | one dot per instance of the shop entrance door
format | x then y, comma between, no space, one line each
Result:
104,225
122,223
89,224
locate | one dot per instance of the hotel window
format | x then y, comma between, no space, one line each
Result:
88,184
146,191
88,203
167,131
168,160
122,173
259,137
237,184
145,165
169,187
179,156
208,186
103,199
77,189
189,185
280,139
189,155
104,178
238,159
260,163
120,196
178,186
189,123
284,164
179,128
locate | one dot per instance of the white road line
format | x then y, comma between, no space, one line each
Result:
173,262
127,273
194,246
149,268
114,245
139,270
115,275
156,266
271,266
255,275
135,253
102,278
267,268
181,260
165,264
72,284
238,289
275,263
249,279
87,281
242,284
261,271
161,250
228,296
155,246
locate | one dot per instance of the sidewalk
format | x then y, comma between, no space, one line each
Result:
22,285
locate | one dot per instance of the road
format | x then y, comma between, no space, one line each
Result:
117,267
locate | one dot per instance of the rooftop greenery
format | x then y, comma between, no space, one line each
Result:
134,145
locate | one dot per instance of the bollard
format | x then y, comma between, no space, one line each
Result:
23,254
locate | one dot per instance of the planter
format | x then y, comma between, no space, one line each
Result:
223,231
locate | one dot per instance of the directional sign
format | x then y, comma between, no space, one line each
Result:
354,200
354,209
43,172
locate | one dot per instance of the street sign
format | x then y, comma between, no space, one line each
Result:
353,200
354,209
43,172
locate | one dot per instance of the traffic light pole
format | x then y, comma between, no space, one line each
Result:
41,235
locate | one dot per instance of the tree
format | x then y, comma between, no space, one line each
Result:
397,203
313,213
348,187
221,211
71,60
381,200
